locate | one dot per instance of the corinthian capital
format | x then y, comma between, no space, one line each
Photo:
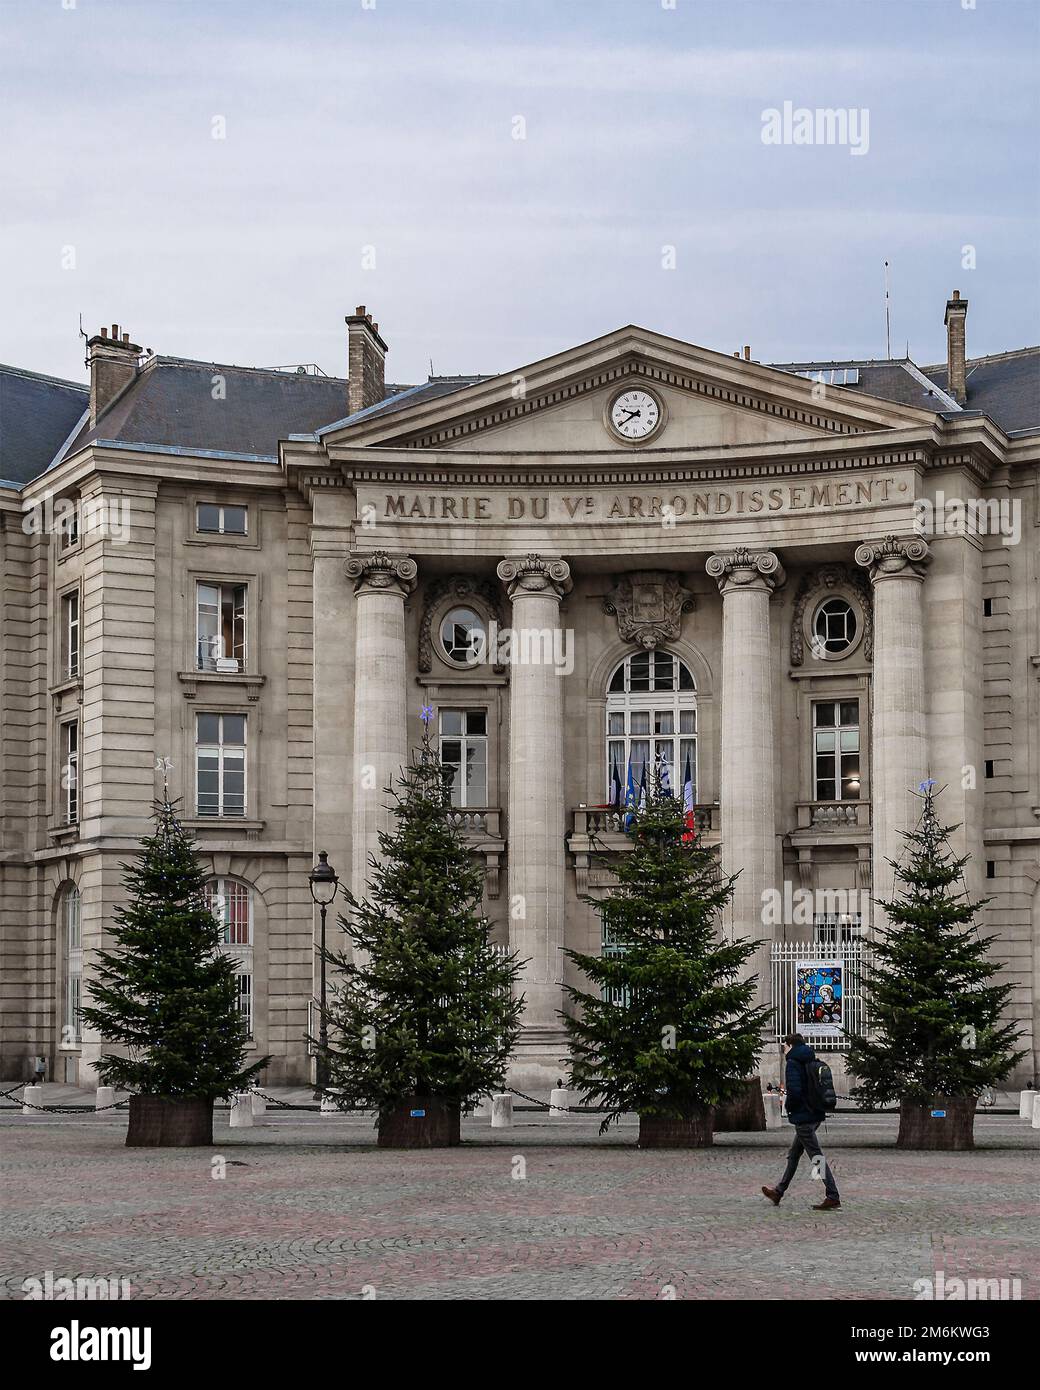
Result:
379,572
744,569
894,558
534,575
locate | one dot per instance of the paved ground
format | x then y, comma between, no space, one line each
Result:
308,1208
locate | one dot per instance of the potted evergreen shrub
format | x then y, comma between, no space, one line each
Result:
671,1031
937,1039
168,995
422,1017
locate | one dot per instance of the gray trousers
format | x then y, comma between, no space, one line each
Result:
805,1141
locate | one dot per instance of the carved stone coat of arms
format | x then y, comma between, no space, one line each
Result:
649,607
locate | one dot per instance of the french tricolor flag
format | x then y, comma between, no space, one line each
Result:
690,833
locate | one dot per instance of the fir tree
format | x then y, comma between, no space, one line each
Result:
168,992
425,1006
673,1030
935,1019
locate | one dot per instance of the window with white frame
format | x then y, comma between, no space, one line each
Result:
212,518
220,626
463,738
72,1023
231,903
70,771
220,764
69,523
651,718
836,750
70,630
837,928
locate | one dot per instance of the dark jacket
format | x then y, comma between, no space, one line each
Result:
796,1082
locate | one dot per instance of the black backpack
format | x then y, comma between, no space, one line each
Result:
819,1086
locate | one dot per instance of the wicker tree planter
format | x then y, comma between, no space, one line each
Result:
919,1130
745,1112
157,1122
665,1132
436,1127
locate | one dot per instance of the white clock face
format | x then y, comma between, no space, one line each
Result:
635,414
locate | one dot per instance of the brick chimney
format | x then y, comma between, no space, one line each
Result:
366,357
956,380
113,363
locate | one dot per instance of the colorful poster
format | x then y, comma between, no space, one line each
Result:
819,998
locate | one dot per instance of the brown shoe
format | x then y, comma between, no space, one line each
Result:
773,1195
829,1204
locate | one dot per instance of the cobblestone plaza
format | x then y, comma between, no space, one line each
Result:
310,1209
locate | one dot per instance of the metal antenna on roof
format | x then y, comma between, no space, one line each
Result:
431,368
888,321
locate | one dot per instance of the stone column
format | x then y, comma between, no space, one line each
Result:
899,727
746,581
536,809
381,584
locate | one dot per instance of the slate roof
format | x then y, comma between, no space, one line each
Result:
206,406
897,380
1005,386
37,415
172,403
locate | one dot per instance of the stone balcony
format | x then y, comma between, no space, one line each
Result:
482,828
834,815
597,830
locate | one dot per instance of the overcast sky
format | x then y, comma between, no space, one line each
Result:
387,128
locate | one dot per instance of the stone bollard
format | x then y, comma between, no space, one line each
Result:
774,1110
241,1110
106,1096
559,1099
259,1105
501,1112
482,1109
1026,1101
328,1107
1036,1115
31,1095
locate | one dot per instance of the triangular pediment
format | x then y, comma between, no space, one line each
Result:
559,404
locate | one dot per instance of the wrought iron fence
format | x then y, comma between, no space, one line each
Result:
818,991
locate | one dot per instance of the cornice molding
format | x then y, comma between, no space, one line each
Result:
662,376
644,473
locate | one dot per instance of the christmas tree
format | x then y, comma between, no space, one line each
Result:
168,993
672,1031
935,1017
423,1009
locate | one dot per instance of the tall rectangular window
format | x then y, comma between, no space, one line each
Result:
464,754
212,519
72,1024
70,635
220,764
70,771
836,750
220,626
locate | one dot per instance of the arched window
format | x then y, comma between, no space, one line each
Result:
72,1022
651,720
231,903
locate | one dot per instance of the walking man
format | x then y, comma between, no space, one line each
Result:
806,1118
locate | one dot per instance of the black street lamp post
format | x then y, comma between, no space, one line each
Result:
324,885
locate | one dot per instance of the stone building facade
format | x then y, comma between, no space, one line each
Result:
803,588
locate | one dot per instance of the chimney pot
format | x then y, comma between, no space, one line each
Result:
366,354
112,359
956,350
747,353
